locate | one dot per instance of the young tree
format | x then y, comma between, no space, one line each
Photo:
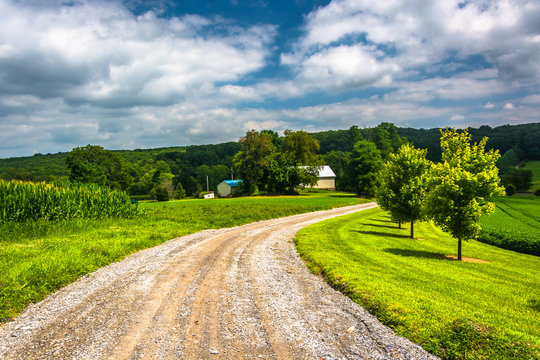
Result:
364,167
403,185
461,185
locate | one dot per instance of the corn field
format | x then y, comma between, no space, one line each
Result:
26,201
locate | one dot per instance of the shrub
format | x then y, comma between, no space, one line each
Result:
510,189
537,192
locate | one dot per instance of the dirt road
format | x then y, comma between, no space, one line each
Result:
238,293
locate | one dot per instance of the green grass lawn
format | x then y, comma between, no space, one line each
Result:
534,166
36,258
515,225
456,310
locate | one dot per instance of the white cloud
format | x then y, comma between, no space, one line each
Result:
100,53
416,33
457,117
489,105
508,106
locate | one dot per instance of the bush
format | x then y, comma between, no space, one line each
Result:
537,192
510,189
161,193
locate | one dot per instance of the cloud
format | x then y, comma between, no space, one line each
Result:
100,53
508,106
404,35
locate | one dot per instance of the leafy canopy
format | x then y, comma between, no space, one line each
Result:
461,185
404,184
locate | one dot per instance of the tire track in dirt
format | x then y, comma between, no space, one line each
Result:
238,293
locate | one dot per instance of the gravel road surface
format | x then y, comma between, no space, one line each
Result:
237,293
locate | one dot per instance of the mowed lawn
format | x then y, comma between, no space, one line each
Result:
36,258
456,310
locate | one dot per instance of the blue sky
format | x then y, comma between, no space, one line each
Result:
139,74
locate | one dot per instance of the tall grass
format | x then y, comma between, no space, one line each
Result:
26,201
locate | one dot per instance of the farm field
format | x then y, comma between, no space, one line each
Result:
38,257
515,225
455,310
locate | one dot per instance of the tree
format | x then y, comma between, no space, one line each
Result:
364,167
253,160
461,185
94,164
520,178
403,185
387,139
301,148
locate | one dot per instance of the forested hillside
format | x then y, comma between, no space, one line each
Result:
184,169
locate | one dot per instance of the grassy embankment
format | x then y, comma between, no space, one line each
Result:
456,310
38,257
515,225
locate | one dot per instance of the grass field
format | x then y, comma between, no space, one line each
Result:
456,310
534,166
515,225
36,258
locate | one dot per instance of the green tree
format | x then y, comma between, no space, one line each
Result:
364,167
94,164
403,185
461,185
520,178
387,139
253,160
301,148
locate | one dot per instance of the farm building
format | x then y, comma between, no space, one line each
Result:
327,179
228,187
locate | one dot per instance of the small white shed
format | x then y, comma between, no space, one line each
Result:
228,187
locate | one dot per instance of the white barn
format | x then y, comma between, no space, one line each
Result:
327,178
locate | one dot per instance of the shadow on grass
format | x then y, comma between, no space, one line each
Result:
378,233
385,226
381,220
415,253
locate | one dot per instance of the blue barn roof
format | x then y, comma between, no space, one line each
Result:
233,183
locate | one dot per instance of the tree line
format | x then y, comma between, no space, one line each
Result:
182,171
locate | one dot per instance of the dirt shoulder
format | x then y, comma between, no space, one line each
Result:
238,293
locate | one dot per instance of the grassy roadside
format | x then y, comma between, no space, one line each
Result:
36,258
456,310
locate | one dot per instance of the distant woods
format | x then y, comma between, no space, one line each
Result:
355,155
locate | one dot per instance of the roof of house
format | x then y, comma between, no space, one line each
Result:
233,183
326,171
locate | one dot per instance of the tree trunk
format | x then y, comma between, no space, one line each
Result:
459,249
412,229
399,224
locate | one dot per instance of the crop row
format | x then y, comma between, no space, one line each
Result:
23,201
514,225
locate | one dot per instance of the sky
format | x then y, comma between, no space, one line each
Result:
145,73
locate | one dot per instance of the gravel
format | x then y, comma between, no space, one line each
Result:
237,293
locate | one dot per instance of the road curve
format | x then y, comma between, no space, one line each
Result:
237,293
